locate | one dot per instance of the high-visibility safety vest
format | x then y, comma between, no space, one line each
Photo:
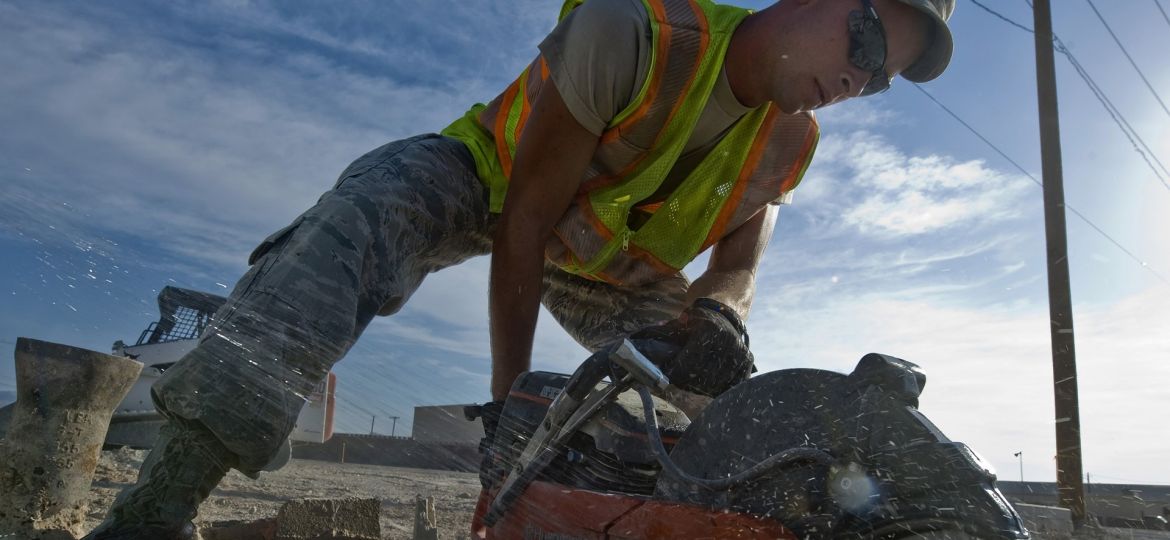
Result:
762,157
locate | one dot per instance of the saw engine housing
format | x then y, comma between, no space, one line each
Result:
609,454
893,473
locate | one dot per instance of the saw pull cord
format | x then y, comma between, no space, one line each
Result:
786,458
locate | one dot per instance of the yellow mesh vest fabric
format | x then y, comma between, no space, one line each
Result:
482,146
676,232
661,235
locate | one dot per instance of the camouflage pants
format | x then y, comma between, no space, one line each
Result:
398,213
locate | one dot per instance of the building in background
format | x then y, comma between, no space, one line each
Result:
445,424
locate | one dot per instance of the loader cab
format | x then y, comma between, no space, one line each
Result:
183,316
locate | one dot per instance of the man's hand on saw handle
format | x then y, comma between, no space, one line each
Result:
704,351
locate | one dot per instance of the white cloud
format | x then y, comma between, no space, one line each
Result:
927,194
934,260
204,151
989,369
859,114
866,183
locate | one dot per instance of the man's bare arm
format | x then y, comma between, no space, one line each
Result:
550,160
731,272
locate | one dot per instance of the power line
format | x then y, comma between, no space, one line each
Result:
1164,16
1114,112
1118,118
1075,212
1128,57
352,404
1131,134
1003,18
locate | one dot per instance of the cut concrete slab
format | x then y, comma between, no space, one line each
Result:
261,529
333,519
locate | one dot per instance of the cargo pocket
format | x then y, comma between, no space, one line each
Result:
272,240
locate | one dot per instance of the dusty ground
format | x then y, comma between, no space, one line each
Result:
241,498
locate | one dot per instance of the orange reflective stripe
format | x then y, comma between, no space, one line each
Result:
588,259
612,280
512,114
666,30
704,40
512,125
543,69
806,153
646,256
586,205
501,127
579,258
633,250
650,208
523,118
741,183
570,257
525,109
662,53
658,11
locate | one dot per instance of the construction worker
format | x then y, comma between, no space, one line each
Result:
645,132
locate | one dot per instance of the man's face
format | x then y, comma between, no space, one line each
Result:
833,50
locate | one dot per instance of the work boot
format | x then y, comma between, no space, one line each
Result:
181,470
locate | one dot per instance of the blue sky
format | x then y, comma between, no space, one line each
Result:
147,144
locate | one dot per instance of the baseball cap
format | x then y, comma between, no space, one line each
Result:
938,52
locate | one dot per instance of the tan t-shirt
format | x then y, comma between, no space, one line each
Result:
598,58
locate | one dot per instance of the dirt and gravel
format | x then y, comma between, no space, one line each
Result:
241,498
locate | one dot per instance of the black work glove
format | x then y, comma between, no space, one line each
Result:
491,466
704,351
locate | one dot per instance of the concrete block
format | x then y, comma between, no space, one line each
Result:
1048,521
65,398
425,519
333,519
262,529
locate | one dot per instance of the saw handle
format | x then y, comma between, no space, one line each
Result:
592,371
635,363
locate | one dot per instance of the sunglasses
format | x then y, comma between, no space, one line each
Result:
867,47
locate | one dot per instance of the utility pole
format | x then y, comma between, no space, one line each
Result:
1020,455
1069,481
372,418
394,425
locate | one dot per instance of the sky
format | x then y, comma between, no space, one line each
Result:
148,144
